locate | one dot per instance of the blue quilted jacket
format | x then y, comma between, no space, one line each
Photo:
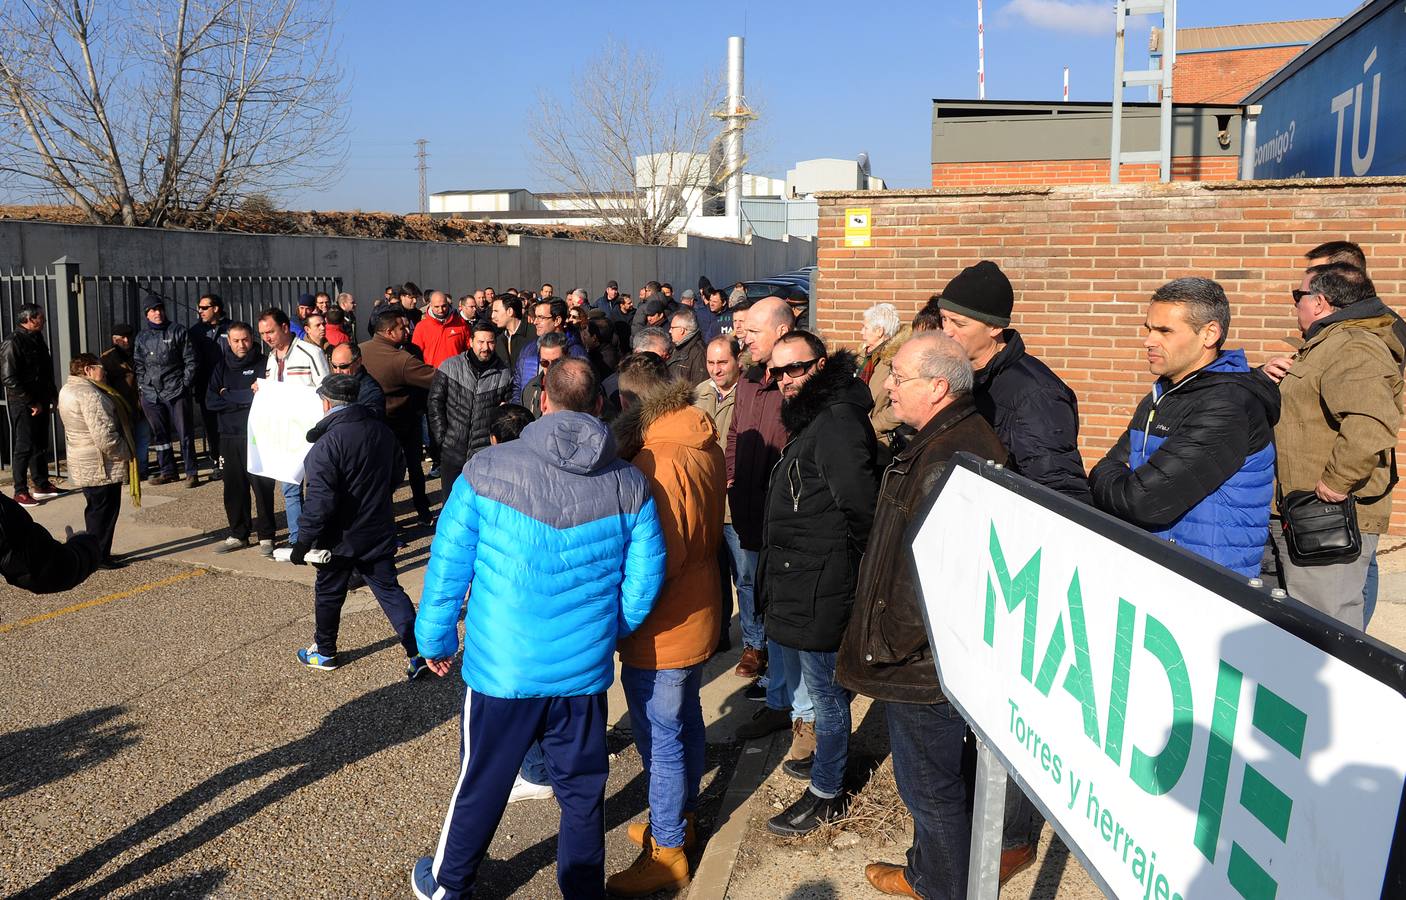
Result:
1196,465
561,543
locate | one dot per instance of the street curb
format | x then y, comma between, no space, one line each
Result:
714,872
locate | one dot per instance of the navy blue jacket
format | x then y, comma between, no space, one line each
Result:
530,361
164,360
229,392
370,395
1196,464
351,472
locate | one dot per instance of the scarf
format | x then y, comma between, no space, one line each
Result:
124,418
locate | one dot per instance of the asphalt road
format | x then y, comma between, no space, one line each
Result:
159,739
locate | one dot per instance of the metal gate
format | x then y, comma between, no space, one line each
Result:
80,310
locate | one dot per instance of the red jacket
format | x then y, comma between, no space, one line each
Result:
440,340
754,442
336,335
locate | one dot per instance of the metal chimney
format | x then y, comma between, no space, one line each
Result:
735,120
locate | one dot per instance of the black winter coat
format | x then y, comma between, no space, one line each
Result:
27,369
351,472
210,342
689,362
819,509
32,560
462,399
370,395
229,392
165,362
1035,415
885,653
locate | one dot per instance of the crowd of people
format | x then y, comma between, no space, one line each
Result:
614,473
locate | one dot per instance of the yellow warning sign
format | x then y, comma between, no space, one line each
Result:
857,224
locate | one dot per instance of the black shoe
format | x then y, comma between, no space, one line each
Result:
754,692
112,562
799,769
805,815
424,520
355,581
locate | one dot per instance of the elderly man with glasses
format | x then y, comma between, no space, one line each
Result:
346,360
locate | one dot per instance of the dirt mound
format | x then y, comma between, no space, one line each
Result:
332,224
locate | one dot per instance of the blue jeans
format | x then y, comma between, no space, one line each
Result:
293,505
785,684
141,434
534,765
1369,593
832,722
667,719
744,567
927,742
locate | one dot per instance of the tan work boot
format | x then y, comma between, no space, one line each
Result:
802,740
657,869
690,836
888,878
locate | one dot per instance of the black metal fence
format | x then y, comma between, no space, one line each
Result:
80,310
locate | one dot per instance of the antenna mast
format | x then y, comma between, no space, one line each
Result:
422,160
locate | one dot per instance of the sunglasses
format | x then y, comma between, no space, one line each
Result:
1299,295
344,368
205,307
794,370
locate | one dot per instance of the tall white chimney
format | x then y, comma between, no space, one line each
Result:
735,120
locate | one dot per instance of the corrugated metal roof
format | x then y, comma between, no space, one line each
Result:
1299,31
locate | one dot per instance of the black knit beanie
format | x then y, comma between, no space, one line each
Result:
982,292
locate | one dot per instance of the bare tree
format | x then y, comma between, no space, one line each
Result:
636,152
134,109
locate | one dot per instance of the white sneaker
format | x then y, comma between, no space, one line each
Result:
230,544
526,790
266,549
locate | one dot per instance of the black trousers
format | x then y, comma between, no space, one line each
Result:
30,435
210,421
237,482
407,434
330,592
100,515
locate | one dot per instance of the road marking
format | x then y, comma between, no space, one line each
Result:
99,601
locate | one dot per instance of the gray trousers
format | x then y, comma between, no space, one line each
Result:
1333,590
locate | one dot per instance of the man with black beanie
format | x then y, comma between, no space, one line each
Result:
1036,416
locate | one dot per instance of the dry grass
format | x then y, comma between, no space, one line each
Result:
876,812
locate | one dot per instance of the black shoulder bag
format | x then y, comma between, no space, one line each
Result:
1319,533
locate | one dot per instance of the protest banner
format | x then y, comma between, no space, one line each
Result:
1188,735
278,426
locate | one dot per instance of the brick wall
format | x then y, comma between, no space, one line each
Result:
1227,76
1084,260
1049,172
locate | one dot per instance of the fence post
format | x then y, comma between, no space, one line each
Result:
71,339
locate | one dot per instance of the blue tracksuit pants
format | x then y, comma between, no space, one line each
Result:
494,737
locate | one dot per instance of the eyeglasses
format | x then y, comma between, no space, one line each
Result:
1299,295
794,370
205,307
898,379
342,368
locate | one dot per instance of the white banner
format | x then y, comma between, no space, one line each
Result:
278,426
1183,744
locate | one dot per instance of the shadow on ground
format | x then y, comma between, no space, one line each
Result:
34,757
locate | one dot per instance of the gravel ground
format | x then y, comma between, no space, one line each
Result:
167,744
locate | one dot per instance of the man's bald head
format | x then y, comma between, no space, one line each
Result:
766,321
570,386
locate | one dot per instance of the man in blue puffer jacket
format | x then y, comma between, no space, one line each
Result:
1196,464
561,542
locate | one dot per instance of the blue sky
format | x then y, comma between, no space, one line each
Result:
831,78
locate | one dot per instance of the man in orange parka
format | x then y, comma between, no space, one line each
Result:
675,445
441,334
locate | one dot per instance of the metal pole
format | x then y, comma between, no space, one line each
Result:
1066,84
1248,139
988,822
733,125
1169,59
980,53
1120,27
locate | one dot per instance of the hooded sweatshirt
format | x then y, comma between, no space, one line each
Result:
675,445
1196,463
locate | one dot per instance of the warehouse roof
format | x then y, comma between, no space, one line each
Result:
1259,34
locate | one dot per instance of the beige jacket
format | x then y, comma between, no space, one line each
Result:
882,416
1341,406
720,411
97,452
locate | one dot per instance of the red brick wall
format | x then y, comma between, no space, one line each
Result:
1227,76
1084,260
1049,172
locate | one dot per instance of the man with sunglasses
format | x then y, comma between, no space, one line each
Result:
1342,407
819,509
210,337
346,360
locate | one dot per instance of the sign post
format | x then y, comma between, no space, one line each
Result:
1186,735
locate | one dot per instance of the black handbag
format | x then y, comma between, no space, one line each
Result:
1319,533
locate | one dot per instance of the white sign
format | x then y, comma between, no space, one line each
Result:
278,426
1183,744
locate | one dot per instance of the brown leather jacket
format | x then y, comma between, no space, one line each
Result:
754,442
885,652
